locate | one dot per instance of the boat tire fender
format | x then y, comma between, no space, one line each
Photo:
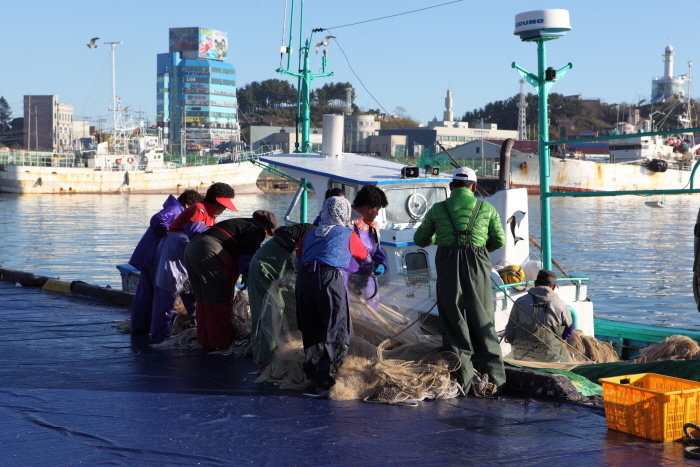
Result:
658,165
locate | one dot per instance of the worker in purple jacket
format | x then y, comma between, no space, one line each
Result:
144,258
365,208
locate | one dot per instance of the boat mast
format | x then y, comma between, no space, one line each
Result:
114,95
305,77
539,27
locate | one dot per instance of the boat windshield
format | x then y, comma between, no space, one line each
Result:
411,204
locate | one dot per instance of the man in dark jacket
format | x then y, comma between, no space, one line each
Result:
144,258
538,321
214,260
466,230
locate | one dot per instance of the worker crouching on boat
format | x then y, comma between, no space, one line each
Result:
365,208
323,313
272,261
215,259
538,321
144,258
466,230
171,275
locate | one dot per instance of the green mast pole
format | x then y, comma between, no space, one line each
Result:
306,101
304,77
543,149
304,206
542,82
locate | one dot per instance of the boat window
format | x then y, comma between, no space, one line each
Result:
349,189
416,263
411,204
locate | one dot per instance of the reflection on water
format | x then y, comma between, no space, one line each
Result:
83,237
639,258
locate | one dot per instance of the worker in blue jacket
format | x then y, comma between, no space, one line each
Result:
323,313
144,258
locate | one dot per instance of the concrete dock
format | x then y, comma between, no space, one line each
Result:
75,391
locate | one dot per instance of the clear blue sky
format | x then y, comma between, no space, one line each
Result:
407,61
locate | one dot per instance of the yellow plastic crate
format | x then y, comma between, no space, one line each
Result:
652,406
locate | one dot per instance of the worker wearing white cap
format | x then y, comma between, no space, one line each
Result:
466,230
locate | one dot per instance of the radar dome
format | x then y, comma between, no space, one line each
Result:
542,23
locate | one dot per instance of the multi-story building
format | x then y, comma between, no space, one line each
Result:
358,129
197,91
48,124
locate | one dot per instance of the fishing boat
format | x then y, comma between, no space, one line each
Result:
410,281
144,171
662,161
129,161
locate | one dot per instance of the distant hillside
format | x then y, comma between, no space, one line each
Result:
584,115
274,102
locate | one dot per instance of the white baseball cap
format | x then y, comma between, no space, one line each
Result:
464,173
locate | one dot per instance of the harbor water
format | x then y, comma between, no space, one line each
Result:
639,259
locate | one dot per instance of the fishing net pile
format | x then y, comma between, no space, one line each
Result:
675,347
395,353
184,336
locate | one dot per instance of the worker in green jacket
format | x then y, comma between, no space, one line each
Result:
272,261
466,230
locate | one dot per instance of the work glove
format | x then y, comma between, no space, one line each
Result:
360,283
379,270
244,282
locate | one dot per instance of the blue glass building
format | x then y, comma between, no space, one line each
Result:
196,105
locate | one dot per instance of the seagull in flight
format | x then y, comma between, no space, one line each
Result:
324,42
92,44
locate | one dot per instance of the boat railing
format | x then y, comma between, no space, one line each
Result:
575,280
260,153
38,159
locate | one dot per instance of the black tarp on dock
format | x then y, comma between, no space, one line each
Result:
75,391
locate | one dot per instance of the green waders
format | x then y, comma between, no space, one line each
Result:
465,305
270,263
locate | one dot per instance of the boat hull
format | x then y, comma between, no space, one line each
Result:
583,175
35,180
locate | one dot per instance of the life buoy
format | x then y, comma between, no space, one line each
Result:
106,168
130,160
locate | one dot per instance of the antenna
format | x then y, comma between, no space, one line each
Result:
522,105
114,88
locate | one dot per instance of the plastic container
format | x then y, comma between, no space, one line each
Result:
130,277
651,406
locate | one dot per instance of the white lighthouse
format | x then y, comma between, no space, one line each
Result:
668,86
669,57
